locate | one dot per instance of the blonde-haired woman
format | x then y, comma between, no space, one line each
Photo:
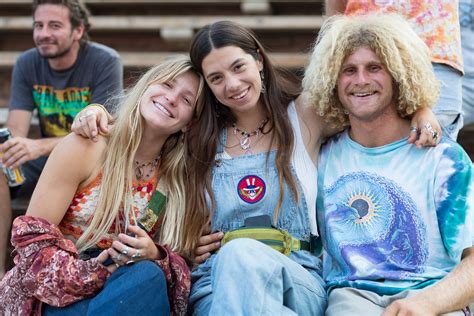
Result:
118,186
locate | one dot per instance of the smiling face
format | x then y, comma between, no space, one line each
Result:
52,31
169,106
234,77
365,87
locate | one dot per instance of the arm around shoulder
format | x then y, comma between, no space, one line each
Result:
312,125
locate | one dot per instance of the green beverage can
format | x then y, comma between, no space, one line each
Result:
15,176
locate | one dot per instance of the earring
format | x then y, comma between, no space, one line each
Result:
262,76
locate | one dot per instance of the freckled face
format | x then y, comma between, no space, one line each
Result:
234,77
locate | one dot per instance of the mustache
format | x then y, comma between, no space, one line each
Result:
362,90
46,41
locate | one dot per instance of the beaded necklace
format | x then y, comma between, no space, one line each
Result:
244,138
140,168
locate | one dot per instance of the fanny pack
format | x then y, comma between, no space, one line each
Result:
260,228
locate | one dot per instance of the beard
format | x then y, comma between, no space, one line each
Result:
56,54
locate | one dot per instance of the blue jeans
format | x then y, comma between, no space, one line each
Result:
250,278
137,289
466,19
449,107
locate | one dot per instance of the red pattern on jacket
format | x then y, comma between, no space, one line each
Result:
47,269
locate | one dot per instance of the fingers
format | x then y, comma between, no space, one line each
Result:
429,136
101,119
86,121
14,158
78,127
128,241
126,254
137,231
15,153
208,244
117,257
202,258
103,124
211,238
141,244
413,134
90,125
425,136
102,257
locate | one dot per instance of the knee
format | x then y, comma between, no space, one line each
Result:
147,272
244,250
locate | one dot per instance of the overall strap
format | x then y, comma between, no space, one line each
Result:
222,141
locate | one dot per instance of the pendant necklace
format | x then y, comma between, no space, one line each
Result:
245,137
145,169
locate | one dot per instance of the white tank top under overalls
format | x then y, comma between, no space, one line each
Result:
247,186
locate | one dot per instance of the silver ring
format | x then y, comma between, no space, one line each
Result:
119,257
125,250
413,129
137,254
117,265
434,134
428,127
130,262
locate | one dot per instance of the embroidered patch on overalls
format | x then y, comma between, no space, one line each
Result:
251,189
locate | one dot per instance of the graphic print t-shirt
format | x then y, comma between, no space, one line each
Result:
60,95
393,217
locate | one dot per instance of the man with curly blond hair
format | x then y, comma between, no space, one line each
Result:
396,221
437,24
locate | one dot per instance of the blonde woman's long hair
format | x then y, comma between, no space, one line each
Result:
118,166
405,55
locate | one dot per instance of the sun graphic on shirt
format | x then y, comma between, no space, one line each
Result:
365,206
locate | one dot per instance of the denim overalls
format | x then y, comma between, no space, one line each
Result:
247,186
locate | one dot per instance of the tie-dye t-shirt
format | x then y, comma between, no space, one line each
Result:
393,217
58,96
435,21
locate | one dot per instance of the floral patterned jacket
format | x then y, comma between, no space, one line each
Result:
48,270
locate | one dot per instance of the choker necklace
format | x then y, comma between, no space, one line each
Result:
141,168
244,139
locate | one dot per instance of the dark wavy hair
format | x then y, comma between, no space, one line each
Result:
204,135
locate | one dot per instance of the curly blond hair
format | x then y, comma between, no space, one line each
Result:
403,53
